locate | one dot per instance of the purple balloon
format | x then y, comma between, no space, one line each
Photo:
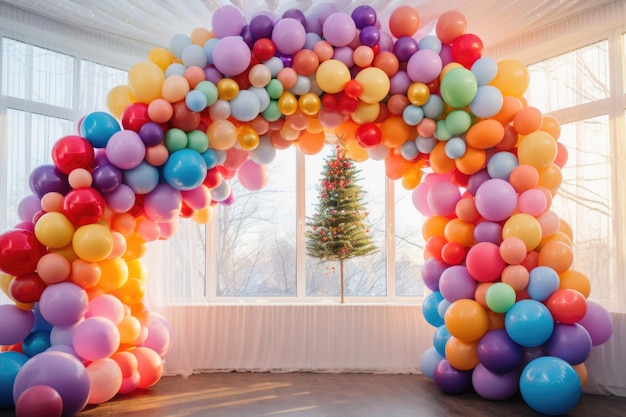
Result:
151,134
339,29
231,55
163,204
295,14
28,207
60,371
499,353
496,199
570,342
106,178
456,283
63,304
488,232
369,36
493,386
475,180
227,21
125,149
424,66
261,27
15,324
598,323
443,197
289,36
364,16
446,54
399,83
404,48
121,199
247,37
431,273
450,380
46,179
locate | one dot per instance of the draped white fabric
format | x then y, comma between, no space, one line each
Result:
325,337
318,337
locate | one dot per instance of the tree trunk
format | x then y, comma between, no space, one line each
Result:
341,275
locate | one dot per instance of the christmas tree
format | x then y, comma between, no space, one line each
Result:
338,230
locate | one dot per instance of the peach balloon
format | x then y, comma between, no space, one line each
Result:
52,201
53,268
450,25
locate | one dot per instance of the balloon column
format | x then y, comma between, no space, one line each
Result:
511,313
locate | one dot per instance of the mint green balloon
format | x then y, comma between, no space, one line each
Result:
209,90
500,297
441,131
458,122
198,141
458,87
175,140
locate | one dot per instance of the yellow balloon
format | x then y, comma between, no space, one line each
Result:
375,83
332,76
137,269
54,230
5,282
118,99
418,94
202,216
356,152
537,149
145,80
222,134
162,57
92,242
129,329
114,274
309,104
365,112
525,227
512,78
66,251
132,292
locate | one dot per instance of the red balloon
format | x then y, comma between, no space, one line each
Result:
213,178
368,136
183,118
330,102
264,49
27,288
135,116
466,49
19,252
567,305
347,105
186,212
84,205
453,253
71,152
433,247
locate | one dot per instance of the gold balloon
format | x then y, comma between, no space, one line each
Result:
227,89
309,104
418,94
287,103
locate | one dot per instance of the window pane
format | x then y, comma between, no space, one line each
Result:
409,244
584,201
96,81
37,74
30,140
577,77
365,275
256,236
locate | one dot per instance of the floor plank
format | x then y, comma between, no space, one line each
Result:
320,395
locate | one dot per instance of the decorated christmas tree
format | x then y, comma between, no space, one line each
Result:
338,230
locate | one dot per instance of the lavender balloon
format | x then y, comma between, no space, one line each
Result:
15,324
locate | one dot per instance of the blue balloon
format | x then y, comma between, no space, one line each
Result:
440,338
210,158
10,364
433,107
455,148
178,43
529,323
430,42
430,308
487,102
185,169
98,127
408,150
501,164
196,100
485,70
36,342
412,115
429,360
550,386
142,179
245,106
543,282
175,69
194,56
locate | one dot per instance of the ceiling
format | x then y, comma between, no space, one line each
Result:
154,22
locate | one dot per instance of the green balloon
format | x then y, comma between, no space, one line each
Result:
272,113
458,87
500,297
175,140
458,122
441,131
209,90
198,141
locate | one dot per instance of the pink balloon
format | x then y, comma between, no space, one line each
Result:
96,338
420,199
484,262
197,198
105,380
532,202
107,306
39,401
252,176
442,198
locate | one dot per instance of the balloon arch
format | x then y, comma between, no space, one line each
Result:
510,312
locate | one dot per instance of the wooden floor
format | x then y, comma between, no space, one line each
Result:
320,395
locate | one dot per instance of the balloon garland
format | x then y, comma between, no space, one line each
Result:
510,312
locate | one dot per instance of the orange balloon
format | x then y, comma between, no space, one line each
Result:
466,320
439,161
510,106
527,120
551,178
388,62
394,132
524,177
462,355
355,152
496,320
512,78
485,134
466,211
311,143
472,161
481,292
412,177
459,232
557,255
396,166
552,126
305,62
450,26
434,226
404,21
575,280
583,375
114,274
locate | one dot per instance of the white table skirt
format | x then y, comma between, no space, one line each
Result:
383,338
